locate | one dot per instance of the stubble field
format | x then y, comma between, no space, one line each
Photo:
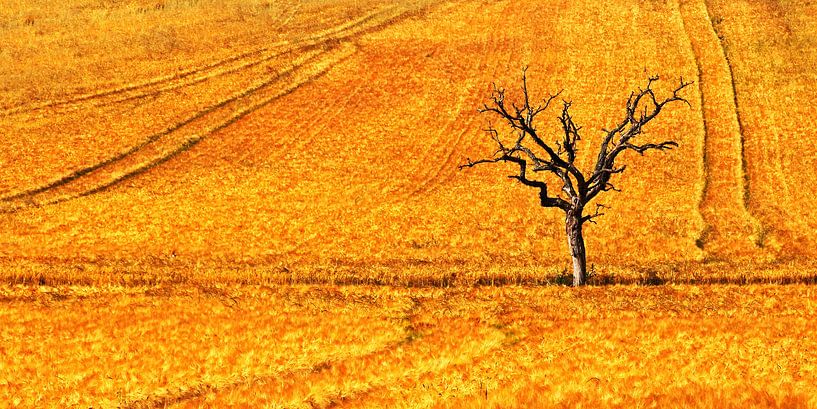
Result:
257,203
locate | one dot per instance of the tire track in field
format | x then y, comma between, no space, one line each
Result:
297,144
151,139
731,227
701,235
162,147
770,194
231,64
410,378
50,193
400,15
449,169
414,395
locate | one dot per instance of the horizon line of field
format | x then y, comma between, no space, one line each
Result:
431,275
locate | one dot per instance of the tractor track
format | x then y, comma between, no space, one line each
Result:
232,64
455,371
297,144
193,392
50,193
402,360
724,201
768,192
111,169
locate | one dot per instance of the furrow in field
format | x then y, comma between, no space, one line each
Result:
770,197
392,391
229,65
84,182
447,167
334,110
200,116
444,387
440,158
733,230
161,147
495,44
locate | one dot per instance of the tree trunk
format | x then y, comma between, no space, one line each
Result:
575,241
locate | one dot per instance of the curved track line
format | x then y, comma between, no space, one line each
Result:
701,238
115,176
27,198
181,79
741,129
450,145
769,189
136,148
389,394
412,359
299,143
723,205
449,168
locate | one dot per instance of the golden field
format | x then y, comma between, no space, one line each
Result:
257,203
358,346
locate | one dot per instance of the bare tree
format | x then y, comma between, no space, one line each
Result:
531,153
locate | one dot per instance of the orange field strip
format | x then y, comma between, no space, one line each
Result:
302,346
379,146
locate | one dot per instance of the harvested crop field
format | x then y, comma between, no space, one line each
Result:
325,346
250,202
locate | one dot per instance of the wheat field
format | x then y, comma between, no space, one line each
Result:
257,203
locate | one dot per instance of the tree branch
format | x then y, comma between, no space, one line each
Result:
637,114
590,217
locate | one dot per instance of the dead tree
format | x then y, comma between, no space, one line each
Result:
533,154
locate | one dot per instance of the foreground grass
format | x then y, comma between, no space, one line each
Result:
364,346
